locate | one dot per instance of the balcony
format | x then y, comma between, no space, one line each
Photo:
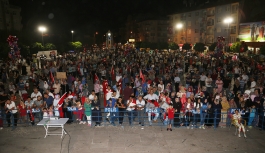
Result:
210,13
210,22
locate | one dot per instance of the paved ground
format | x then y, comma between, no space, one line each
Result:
111,139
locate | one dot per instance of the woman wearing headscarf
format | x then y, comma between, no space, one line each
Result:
177,106
96,112
68,102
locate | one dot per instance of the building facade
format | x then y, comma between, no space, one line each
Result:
10,18
205,25
152,31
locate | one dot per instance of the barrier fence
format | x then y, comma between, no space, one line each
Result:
146,117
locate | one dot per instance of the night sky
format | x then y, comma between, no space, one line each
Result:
87,16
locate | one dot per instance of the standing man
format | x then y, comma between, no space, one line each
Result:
208,84
140,103
10,108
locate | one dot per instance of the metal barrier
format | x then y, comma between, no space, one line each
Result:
111,116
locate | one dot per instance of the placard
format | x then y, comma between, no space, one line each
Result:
111,109
34,111
60,75
153,110
71,109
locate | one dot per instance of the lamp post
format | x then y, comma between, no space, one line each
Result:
180,26
72,35
42,29
228,20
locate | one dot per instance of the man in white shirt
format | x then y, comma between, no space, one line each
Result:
151,96
10,108
202,79
208,84
130,109
92,95
245,77
140,103
35,94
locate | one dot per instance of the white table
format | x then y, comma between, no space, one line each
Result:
49,123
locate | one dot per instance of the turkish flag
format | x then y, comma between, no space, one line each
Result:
60,109
96,77
51,77
112,73
105,86
142,76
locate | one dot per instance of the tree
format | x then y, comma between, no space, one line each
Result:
262,50
76,45
238,47
200,47
173,46
49,46
35,47
186,46
235,47
212,47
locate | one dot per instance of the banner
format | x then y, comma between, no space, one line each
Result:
72,109
251,31
152,110
111,109
34,110
61,75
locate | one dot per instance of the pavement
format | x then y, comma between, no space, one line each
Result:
117,139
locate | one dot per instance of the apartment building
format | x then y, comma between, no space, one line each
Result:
206,24
10,18
152,31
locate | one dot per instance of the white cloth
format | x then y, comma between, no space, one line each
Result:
151,97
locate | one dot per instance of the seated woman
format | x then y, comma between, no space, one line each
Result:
236,121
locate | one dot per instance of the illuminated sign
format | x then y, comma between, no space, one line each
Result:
252,31
131,40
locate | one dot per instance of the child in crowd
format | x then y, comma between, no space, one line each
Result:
79,112
22,111
50,111
45,113
170,114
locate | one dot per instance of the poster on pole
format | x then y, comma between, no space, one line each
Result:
61,75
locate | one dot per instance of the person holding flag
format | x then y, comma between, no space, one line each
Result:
57,103
105,86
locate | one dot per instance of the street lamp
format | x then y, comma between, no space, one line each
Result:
228,20
179,25
72,35
42,29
